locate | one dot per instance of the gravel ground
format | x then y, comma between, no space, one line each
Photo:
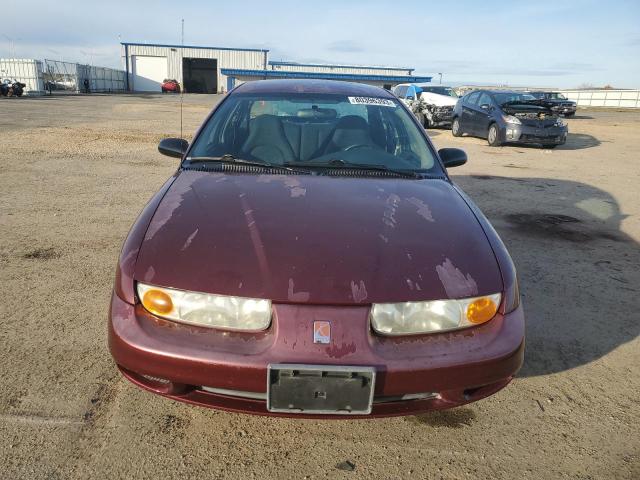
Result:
75,172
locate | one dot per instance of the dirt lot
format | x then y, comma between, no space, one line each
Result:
75,172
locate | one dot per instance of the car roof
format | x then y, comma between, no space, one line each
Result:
493,92
312,86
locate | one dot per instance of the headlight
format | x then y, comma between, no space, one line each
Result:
559,122
511,119
206,310
412,318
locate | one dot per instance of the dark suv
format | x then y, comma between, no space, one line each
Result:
508,117
556,102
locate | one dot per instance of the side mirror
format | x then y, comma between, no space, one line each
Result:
452,157
173,147
485,106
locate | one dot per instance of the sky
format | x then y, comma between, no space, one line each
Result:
561,43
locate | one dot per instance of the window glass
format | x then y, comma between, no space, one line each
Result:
484,99
473,98
318,129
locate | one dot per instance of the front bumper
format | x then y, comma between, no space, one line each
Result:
564,109
228,370
441,116
527,134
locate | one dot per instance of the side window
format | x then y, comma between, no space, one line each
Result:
411,93
484,99
472,99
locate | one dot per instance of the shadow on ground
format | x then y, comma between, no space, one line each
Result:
578,271
578,141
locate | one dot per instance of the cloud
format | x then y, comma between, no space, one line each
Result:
557,69
345,46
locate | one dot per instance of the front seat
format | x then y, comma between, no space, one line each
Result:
267,141
350,130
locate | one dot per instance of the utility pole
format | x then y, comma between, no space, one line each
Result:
12,49
440,73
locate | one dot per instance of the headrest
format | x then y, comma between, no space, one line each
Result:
352,122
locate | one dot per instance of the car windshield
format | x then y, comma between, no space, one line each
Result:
315,130
556,96
512,97
448,91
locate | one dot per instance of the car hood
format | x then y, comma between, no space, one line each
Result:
438,100
317,239
557,100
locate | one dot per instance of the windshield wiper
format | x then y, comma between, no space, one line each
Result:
360,166
229,158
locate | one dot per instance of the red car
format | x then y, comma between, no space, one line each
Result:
311,257
169,85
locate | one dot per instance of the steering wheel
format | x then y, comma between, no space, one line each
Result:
355,146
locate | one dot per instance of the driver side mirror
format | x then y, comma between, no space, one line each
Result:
173,147
452,157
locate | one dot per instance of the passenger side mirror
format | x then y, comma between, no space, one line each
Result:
173,147
452,157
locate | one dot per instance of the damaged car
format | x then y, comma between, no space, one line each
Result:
557,102
508,117
311,257
431,104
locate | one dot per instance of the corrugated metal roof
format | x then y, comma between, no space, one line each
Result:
320,75
293,64
194,46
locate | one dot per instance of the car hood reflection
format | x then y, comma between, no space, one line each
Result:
316,239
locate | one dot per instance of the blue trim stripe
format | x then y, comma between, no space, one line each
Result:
296,64
234,72
194,46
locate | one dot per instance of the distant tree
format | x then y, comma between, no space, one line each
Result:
607,87
586,86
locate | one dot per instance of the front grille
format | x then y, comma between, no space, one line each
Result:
539,138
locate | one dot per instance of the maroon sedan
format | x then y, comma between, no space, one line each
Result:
311,257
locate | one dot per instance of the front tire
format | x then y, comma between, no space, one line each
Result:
455,128
493,136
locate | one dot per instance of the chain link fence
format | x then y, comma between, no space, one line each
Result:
67,77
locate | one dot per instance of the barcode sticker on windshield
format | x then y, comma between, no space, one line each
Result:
383,102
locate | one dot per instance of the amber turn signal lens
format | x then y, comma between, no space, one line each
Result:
157,302
481,310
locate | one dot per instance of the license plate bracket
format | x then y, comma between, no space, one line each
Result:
320,389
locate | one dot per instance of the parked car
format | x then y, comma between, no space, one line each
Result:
169,85
508,117
312,257
557,102
432,105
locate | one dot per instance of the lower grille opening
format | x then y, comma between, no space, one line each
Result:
407,397
379,399
151,378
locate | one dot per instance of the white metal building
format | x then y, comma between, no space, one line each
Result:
198,69
219,69
344,69
25,70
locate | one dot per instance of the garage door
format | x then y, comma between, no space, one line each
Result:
148,73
